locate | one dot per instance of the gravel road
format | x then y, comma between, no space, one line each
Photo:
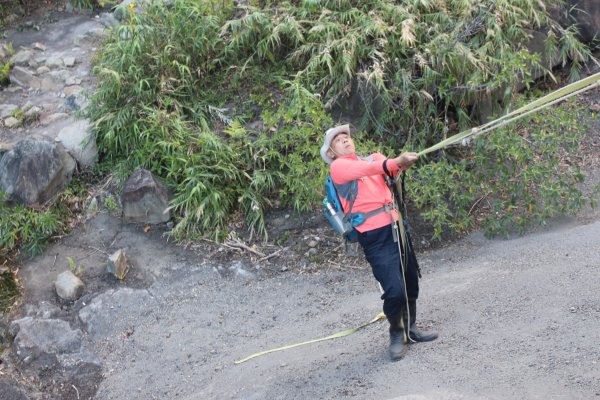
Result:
517,318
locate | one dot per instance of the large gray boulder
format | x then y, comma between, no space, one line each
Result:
145,199
26,79
40,340
34,171
584,14
79,142
115,310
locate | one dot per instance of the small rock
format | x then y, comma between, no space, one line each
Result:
32,113
92,209
68,286
6,110
39,46
48,119
313,243
117,264
4,147
43,70
69,90
312,252
54,62
69,61
22,57
11,122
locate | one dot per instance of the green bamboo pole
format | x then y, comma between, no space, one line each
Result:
552,98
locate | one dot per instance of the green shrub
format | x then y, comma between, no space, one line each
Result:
509,179
178,82
418,65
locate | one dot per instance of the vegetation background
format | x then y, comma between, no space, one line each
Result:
227,102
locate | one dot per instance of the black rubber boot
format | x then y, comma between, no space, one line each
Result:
416,334
398,341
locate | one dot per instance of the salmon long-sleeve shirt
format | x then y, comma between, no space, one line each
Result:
373,192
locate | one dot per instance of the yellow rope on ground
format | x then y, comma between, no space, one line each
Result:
334,336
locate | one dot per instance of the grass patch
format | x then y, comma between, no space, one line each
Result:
9,291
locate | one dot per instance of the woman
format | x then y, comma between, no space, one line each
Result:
376,235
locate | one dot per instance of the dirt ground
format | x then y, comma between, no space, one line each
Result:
517,318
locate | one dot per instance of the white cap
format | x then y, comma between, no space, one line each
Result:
329,136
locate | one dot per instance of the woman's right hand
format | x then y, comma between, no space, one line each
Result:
406,160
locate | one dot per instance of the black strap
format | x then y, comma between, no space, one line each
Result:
385,168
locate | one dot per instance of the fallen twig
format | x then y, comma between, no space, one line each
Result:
273,254
238,244
101,251
76,391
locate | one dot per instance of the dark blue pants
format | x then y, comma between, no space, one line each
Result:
382,253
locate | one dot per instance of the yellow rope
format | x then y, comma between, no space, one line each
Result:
334,336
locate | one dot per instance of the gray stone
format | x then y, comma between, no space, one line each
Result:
11,122
54,62
108,20
69,61
79,142
90,37
108,312
59,76
23,77
81,368
22,57
38,341
121,11
68,286
584,14
39,46
4,52
33,171
51,118
27,79
72,90
10,390
43,310
73,102
32,113
117,264
70,81
4,147
145,199
6,110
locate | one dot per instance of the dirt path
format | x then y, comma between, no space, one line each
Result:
517,319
